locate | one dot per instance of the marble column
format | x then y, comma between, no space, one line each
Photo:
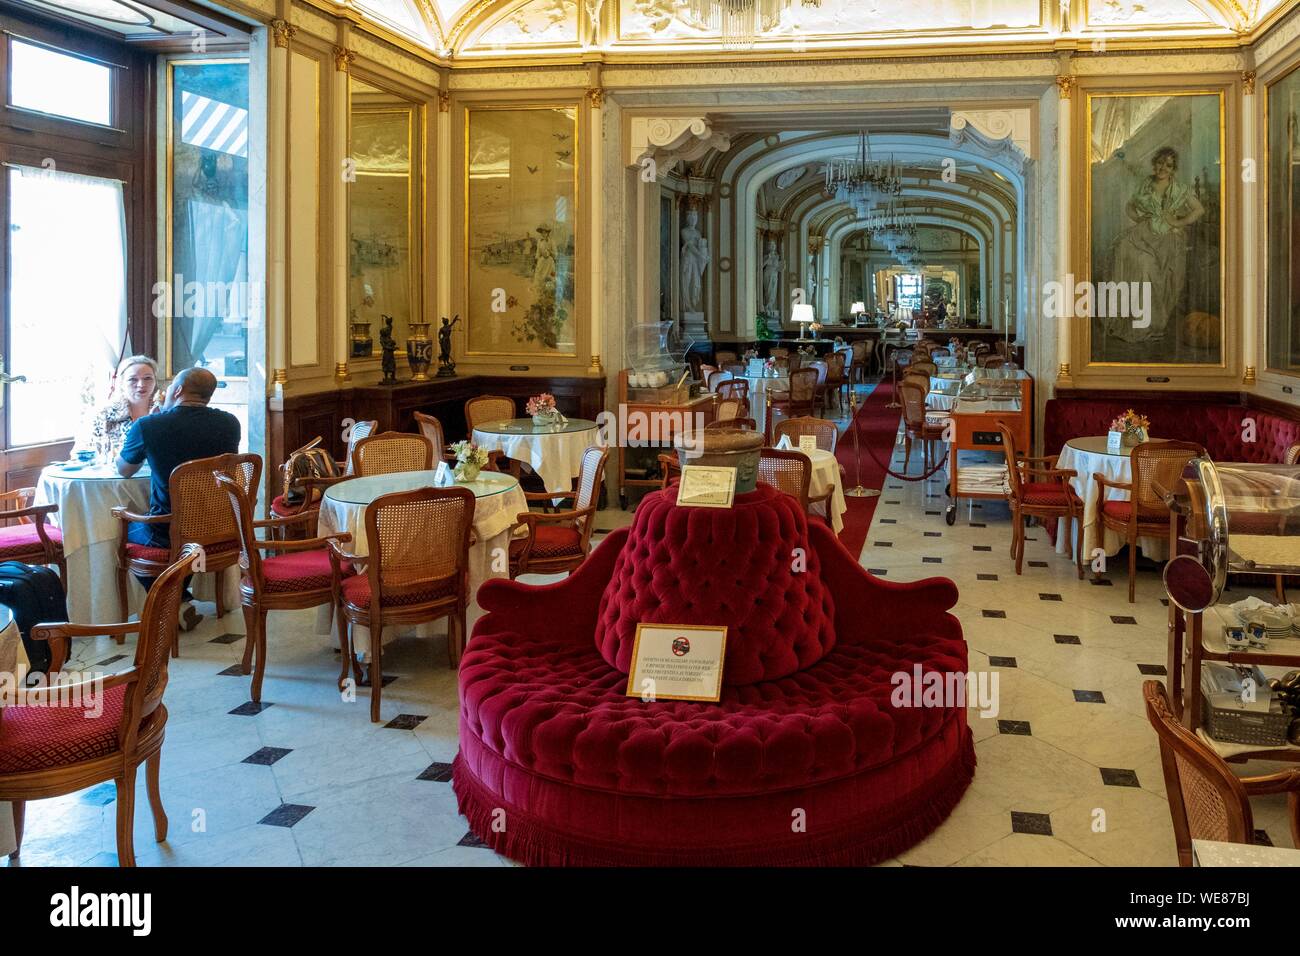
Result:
1066,86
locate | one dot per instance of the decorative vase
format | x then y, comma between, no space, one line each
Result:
419,351
362,343
545,418
466,471
1134,436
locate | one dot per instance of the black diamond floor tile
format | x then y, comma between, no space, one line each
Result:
1153,670
986,577
437,772
981,547
226,639
99,795
1122,619
878,572
1049,597
234,670
1101,582
932,560
286,815
250,708
1017,728
1066,638
988,613
1115,777
1037,824
883,544
110,660
267,756
469,839
406,721
1002,662
1038,564
1089,697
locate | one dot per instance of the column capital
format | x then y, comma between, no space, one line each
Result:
343,59
282,31
444,101
1065,85
596,96
1248,82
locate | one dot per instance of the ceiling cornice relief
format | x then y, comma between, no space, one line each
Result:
413,70
1174,61
1279,36
669,139
998,134
309,19
555,77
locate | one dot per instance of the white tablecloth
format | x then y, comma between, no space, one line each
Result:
8,665
1086,456
86,498
555,456
759,386
826,472
494,512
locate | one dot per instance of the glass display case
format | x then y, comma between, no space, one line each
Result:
656,373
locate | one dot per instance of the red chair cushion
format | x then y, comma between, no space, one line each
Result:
37,738
561,712
298,571
551,541
750,566
1045,493
18,539
143,552
356,591
282,510
1119,510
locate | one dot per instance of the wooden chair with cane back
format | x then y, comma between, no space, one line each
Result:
1144,513
25,536
431,429
298,575
837,378
670,470
992,361
1207,801
799,400
391,452
313,487
825,431
200,515
789,472
1038,489
734,388
484,410
716,379
561,541
917,428
722,358
1292,455
822,368
729,408
51,744
416,570
732,424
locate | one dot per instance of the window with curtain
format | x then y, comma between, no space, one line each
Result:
64,337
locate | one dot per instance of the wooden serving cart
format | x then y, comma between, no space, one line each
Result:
665,413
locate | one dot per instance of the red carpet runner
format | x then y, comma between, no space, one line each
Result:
877,427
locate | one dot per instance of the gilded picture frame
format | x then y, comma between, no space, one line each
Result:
1282,222
1154,251
521,246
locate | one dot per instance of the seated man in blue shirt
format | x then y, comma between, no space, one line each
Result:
184,430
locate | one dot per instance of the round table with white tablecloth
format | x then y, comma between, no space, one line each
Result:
498,502
8,670
826,472
1086,456
86,496
553,451
759,387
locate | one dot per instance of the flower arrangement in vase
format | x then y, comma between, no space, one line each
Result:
471,458
542,409
1131,428
815,328
769,367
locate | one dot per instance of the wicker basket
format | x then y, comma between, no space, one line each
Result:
1235,726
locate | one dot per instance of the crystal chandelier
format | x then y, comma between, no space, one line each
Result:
862,182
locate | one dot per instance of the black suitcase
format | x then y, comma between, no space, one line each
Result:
35,596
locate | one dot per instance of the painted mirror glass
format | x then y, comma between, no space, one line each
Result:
1155,229
1283,273
521,210
383,209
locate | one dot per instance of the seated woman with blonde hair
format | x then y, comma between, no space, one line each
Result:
134,395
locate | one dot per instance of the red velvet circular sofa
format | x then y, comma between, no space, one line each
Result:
804,761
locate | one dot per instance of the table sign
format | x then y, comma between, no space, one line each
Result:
1114,441
444,476
706,486
807,444
677,662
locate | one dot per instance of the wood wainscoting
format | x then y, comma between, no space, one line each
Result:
297,419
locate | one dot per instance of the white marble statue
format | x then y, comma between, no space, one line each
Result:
695,259
771,279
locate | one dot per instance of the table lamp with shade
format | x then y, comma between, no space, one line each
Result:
803,314
858,309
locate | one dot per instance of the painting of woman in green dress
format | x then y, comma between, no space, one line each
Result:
1155,181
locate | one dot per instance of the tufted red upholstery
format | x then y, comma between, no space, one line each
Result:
1119,510
550,541
33,738
704,565
299,571
356,591
590,776
24,539
1216,425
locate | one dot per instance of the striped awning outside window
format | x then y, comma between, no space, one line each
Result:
212,124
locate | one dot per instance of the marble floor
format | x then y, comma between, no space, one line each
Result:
1068,774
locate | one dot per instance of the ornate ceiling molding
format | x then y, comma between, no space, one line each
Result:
1002,134
669,139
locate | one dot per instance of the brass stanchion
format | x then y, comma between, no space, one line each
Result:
857,491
